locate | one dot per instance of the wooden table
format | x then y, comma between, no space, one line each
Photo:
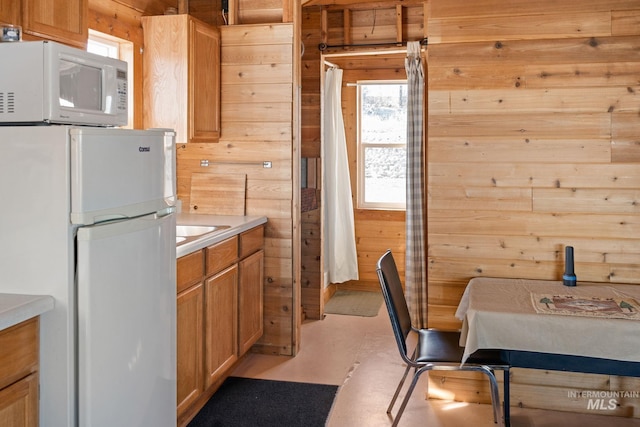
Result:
544,325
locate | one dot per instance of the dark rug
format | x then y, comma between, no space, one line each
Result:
265,403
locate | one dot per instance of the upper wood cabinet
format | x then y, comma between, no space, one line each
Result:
10,12
181,74
64,21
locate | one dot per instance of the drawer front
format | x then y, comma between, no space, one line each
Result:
190,270
251,241
18,351
221,255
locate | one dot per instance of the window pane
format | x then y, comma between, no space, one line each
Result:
382,140
384,114
103,47
384,175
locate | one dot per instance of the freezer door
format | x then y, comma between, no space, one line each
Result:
126,284
120,173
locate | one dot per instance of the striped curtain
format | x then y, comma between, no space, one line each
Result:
415,264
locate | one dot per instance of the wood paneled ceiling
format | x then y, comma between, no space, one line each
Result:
359,4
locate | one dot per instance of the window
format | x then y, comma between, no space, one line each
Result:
382,150
113,47
101,45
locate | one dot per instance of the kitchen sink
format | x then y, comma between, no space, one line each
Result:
197,230
189,233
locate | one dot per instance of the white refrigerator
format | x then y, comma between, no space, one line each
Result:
88,217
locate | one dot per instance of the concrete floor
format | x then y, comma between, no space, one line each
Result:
359,355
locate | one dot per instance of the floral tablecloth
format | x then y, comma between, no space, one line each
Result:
615,307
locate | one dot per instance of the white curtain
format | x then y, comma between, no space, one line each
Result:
415,264
340,257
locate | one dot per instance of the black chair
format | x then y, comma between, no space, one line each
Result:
435,350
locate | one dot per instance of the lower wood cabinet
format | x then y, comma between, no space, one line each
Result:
221,323
19,374
189,342
250,301
220,314
19,403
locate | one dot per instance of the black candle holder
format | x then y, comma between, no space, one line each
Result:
569,277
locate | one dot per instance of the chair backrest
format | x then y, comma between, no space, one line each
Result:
394,299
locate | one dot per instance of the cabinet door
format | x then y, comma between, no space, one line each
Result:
19,403
189,342
204,83
61,20
221,324
10,12
165,73
251,301
182,77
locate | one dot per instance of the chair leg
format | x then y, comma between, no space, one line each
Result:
507,403
495,394
404,377
395,395
414,381
496,409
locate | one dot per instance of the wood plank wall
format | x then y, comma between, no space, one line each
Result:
257,100
312,284
533,145
258,11
313,290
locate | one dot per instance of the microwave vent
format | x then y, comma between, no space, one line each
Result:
7,102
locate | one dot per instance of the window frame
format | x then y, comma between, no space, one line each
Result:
361,146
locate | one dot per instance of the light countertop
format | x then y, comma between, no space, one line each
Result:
16,308
237,225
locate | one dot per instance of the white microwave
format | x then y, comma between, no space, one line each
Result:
44,82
